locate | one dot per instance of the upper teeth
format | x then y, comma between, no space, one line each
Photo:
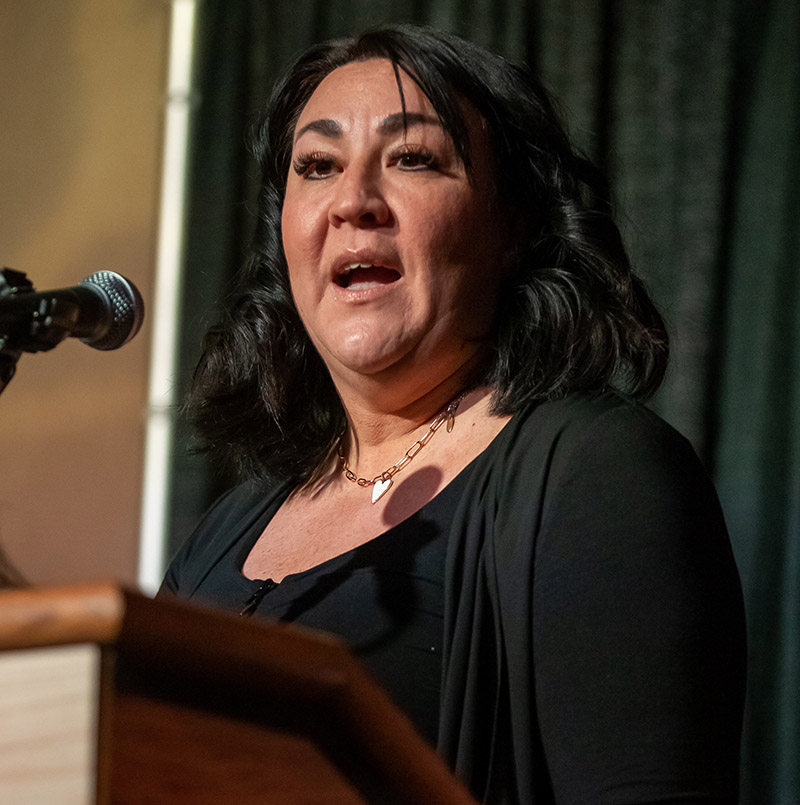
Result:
354,266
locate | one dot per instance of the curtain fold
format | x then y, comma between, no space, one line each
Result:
758,402
692,109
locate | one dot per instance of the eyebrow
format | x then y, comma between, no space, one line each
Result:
389,125
327,127
399,121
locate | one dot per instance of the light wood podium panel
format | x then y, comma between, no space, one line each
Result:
108,696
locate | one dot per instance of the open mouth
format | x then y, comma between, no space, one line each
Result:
360,276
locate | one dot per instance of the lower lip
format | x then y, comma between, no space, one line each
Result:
363,291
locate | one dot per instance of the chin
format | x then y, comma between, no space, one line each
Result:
361,354
368,364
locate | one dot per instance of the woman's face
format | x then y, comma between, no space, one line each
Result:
395,255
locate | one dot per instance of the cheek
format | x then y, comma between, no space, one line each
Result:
287,228
471,243
292,231
460,232
300,225
294,247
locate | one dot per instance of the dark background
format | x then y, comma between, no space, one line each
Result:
692,108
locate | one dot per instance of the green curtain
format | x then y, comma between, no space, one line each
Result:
757,456
692,108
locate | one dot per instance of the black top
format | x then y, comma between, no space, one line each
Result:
384,598
592,642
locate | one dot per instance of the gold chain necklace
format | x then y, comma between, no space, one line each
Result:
381,483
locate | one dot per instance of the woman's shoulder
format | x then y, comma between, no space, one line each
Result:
598,451
227,520
607,424
231,511
574,415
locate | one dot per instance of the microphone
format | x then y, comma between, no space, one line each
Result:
105,311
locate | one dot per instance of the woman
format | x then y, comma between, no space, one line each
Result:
430,378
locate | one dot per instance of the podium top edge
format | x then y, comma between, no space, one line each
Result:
32,616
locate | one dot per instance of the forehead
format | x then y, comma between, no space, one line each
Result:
362,90
364,95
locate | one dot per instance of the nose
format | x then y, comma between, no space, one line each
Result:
358,199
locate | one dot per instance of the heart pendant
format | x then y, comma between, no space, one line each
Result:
380,488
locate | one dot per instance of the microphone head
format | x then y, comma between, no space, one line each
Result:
126,309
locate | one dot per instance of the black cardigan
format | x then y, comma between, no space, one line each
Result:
594,632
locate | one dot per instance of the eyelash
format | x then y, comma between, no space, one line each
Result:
427,159
305,165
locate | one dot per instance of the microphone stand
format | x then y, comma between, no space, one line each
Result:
8,363
10,282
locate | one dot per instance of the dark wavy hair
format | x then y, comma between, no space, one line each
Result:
572,316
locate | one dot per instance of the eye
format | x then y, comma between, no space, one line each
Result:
314,166
415,158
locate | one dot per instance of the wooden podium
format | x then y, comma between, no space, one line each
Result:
108,696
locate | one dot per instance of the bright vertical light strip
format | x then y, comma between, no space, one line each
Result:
165,306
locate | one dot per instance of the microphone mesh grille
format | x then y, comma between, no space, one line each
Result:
127,309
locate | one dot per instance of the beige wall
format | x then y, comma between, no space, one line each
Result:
81,113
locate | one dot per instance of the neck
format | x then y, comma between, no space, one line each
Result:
382,481
380,414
